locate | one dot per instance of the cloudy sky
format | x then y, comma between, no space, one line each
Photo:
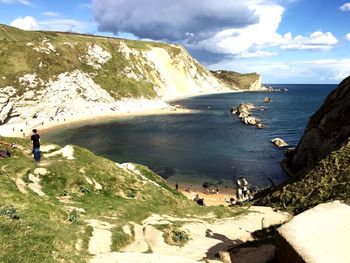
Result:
286,41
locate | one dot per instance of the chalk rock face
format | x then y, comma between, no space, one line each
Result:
319,235
279,142
328,129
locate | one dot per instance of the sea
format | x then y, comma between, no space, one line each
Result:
210,144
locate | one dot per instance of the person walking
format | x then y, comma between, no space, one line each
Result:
36,145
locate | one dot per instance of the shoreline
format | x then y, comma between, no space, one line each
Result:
87,119
101,113
107,117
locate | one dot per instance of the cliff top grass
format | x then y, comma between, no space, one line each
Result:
242,81
328,181
18,57
37,228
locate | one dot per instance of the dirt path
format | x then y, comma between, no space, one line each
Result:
101,240
207,238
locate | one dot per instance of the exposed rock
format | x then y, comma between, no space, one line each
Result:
67,152
328,129
319,235
267,100
243,111
279,142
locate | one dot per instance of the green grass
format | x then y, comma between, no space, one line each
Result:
328,181
43,232
18,59
242,81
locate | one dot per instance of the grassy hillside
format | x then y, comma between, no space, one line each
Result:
35,228
18,57
329,180
242,81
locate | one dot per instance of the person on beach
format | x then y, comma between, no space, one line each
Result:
177,186
201,201
196,198
36,145
245,188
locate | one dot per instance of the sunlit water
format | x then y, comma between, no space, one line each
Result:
210,145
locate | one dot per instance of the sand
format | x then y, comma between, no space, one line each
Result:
210,199
105,117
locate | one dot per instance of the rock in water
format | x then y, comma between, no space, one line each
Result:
244,113
279,142
267,100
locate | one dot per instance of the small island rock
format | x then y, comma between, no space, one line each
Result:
267,100
244,113
279,142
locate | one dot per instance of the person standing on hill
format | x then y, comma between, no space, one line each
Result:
36,145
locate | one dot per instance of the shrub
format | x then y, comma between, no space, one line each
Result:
73,216
9,211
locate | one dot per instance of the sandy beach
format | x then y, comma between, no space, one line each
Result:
211,199
85,119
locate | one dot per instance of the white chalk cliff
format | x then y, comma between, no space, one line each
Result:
66,76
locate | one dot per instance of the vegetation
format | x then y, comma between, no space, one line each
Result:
43,234
176,236
231,78
18,57
329,180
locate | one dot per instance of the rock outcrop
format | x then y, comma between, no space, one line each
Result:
319,235
247,82
243,111
279,142
328,129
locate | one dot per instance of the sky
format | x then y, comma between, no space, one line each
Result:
286,41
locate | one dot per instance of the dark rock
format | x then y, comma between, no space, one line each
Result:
328,129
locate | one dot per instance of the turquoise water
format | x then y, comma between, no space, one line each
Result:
209,145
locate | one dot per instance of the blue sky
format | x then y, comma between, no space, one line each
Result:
286,41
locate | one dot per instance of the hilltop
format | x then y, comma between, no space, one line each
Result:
248,82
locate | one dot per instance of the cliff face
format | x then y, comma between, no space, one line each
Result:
46,76
328,129
247,82
321,162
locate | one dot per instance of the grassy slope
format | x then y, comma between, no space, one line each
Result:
242,81
329,180
42,234
17,59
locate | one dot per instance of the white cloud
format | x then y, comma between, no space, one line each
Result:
53,24
25,23
24,2
315,41
64,25
345,7
50,14
247,40
258,53
347,36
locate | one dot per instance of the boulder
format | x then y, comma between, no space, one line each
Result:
244,113
279,142
267,100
